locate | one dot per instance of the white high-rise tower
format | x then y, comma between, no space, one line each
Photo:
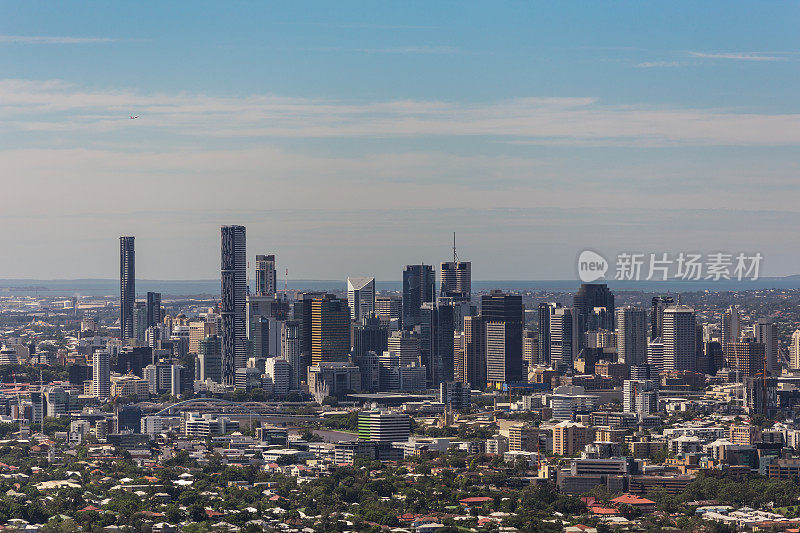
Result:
361,297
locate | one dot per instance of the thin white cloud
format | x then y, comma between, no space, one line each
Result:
739,56
49,39
660,64
410,49
57,107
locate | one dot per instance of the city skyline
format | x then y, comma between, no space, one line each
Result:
400,266
536,134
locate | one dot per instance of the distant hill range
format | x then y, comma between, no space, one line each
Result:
210,287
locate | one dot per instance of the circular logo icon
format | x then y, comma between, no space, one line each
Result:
591,266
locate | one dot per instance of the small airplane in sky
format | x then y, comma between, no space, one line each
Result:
134,116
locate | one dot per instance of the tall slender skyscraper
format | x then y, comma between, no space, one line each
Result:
266,276
659,303
471,360
153,311
546,310
679,338
794,352
632,335
127,286
438,322
290,351
419,286
563,333
731,326
361,297
101,374
766,332
234,301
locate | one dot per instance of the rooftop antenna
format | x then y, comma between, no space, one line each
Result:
455,255
286,283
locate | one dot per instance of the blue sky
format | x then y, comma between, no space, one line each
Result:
354,137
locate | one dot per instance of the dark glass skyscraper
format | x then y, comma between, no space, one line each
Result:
419,286
456,279
127,286
545,311
234,301
504,316
589,296
369,336
659,303
154,309
437,326
266,276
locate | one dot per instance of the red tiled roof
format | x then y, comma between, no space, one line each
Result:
631,499
603,510
90,508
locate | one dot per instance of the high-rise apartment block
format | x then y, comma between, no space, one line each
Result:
632,335
234,300
101,374
563,337
569,438
680,338
794,351
127,286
